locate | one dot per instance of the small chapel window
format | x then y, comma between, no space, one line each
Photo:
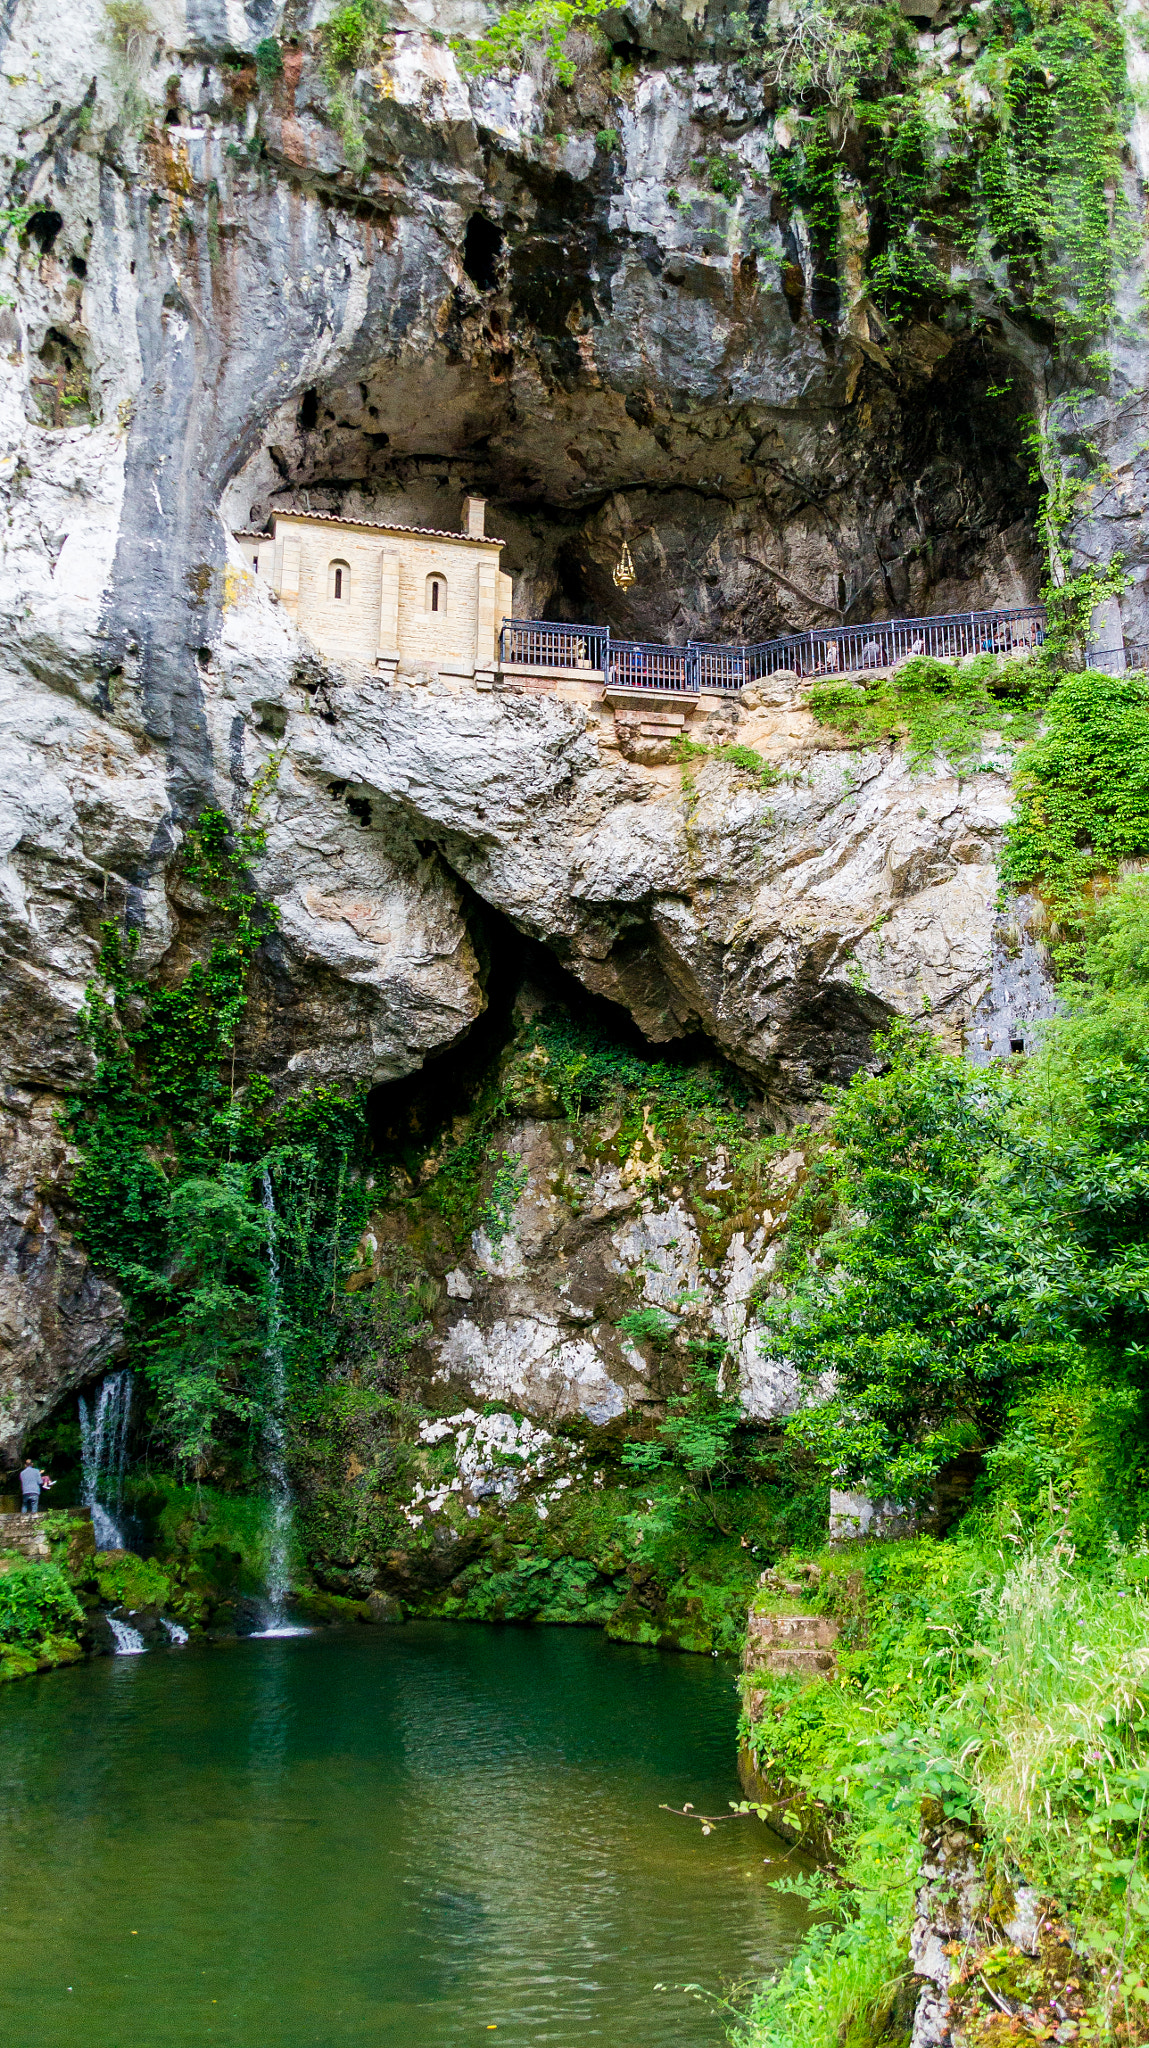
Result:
339,582
436,593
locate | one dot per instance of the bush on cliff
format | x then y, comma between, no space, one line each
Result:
40,1616
976,1236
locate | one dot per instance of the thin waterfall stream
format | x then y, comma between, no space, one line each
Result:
278,1579
128,1640
104,1422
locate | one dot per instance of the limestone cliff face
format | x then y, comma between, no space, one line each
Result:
213,313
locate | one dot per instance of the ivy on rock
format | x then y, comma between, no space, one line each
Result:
189,1176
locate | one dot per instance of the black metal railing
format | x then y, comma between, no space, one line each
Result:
821,654
650,665
541,643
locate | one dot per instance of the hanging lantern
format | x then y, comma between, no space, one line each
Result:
624,574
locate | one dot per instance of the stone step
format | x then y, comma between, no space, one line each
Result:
790,1645
25,1533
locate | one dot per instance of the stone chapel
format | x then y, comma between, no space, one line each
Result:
389,596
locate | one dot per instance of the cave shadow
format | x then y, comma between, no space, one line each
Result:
520,978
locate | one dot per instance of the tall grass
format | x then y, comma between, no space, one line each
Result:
1011,1683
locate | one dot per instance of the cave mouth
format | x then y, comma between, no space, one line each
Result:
482,247
522,980
912,497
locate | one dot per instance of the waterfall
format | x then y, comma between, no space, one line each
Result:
176,1633
275,1438
129,1641
103,1455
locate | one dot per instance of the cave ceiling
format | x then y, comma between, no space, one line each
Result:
767,470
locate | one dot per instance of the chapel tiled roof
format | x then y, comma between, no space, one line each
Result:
481,540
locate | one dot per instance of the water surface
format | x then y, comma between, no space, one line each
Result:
389,1838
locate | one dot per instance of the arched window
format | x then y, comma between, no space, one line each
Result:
436,593
338,582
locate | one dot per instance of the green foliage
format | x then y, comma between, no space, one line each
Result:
545,23
36,1602
751,763
907,155
922,1339
1082,791
1006,1683
649,1325
268,61
125,1580
350,37
940,708
722,176
131,25
1036,179
608,140
697,1434
967,1243
508,1184
1050,184
1070,605
14,217
586,1070
176,1163
831,53
806,178
349,40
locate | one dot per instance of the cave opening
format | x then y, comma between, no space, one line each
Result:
522,980
482,247
43,228
915,497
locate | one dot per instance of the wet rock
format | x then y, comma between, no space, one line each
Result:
384,1608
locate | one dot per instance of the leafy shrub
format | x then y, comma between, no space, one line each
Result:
131,25
696,1436
751,763
541,22
1082,790
350,36
268,61
971,1233
36,1601
510,1179
939,707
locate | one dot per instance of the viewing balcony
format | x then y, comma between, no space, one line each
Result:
545,649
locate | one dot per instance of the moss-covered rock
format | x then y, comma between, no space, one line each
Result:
125,1580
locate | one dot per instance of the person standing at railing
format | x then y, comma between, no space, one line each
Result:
32,1480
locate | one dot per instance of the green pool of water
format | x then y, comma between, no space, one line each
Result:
402,1838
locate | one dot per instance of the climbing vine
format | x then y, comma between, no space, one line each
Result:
1082,792
189,1176
1015,156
